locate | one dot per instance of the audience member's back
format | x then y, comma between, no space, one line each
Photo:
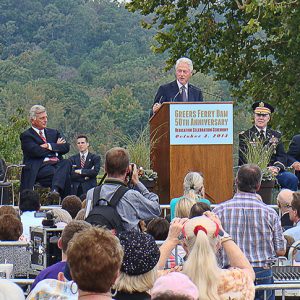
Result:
284,200
198,209
67,234
72,204
158,228
8,210
11,228
10,290
29,205
94,258
61,217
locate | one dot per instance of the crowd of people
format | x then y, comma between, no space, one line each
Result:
114,242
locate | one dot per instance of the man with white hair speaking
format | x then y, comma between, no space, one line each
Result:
179,90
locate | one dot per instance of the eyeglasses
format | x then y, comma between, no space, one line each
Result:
287,206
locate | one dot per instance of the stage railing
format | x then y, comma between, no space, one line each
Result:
281,289
165,208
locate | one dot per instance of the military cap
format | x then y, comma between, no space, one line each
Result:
263,108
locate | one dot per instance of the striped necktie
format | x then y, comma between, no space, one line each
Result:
42,136
82,160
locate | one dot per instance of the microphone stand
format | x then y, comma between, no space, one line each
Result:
179,92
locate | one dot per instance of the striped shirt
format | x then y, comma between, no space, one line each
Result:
254,226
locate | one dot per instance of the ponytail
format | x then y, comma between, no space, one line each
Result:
201,266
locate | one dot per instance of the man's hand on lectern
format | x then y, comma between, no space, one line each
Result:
156,107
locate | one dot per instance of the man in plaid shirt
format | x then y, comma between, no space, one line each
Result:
253,225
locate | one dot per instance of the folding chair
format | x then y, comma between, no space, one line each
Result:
7,183
17,253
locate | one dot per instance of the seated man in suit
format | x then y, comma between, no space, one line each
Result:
179,90
42,155
86,166
294,154
271,138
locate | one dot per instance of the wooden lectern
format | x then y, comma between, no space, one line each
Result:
173,162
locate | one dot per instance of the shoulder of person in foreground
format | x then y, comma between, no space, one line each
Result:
54,289
235,283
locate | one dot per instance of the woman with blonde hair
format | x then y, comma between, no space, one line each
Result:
138,271
183,207
202,237
193,189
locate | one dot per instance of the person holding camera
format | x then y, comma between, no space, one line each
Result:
136,203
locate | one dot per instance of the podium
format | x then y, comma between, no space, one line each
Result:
189,137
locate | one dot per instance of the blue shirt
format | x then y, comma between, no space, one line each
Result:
175,200
294,232
136,204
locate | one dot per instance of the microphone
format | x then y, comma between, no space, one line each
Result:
179,92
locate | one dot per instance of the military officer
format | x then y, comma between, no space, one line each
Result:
271,138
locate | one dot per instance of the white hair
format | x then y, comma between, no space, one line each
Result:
193,185
35,110
186,61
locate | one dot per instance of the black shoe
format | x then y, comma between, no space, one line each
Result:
53,198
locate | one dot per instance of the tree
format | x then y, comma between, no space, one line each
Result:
124,109
255,45
10,149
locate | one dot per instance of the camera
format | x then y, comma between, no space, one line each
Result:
129,174
49,221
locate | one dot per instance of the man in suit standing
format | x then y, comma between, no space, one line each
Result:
271,138
42,155
86,167
179,90
294,154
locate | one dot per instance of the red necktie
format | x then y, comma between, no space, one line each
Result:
42,136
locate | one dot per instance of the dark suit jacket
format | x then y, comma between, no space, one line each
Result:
34,154
294,149
87,178
279,157
2,168
294,152
170,93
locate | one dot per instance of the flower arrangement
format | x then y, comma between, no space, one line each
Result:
147,174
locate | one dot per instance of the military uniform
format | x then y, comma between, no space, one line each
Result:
271,138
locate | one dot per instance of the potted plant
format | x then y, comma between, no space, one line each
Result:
259,152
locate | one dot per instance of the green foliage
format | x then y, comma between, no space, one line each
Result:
260,154
10,148
254,45
88,62
138,147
